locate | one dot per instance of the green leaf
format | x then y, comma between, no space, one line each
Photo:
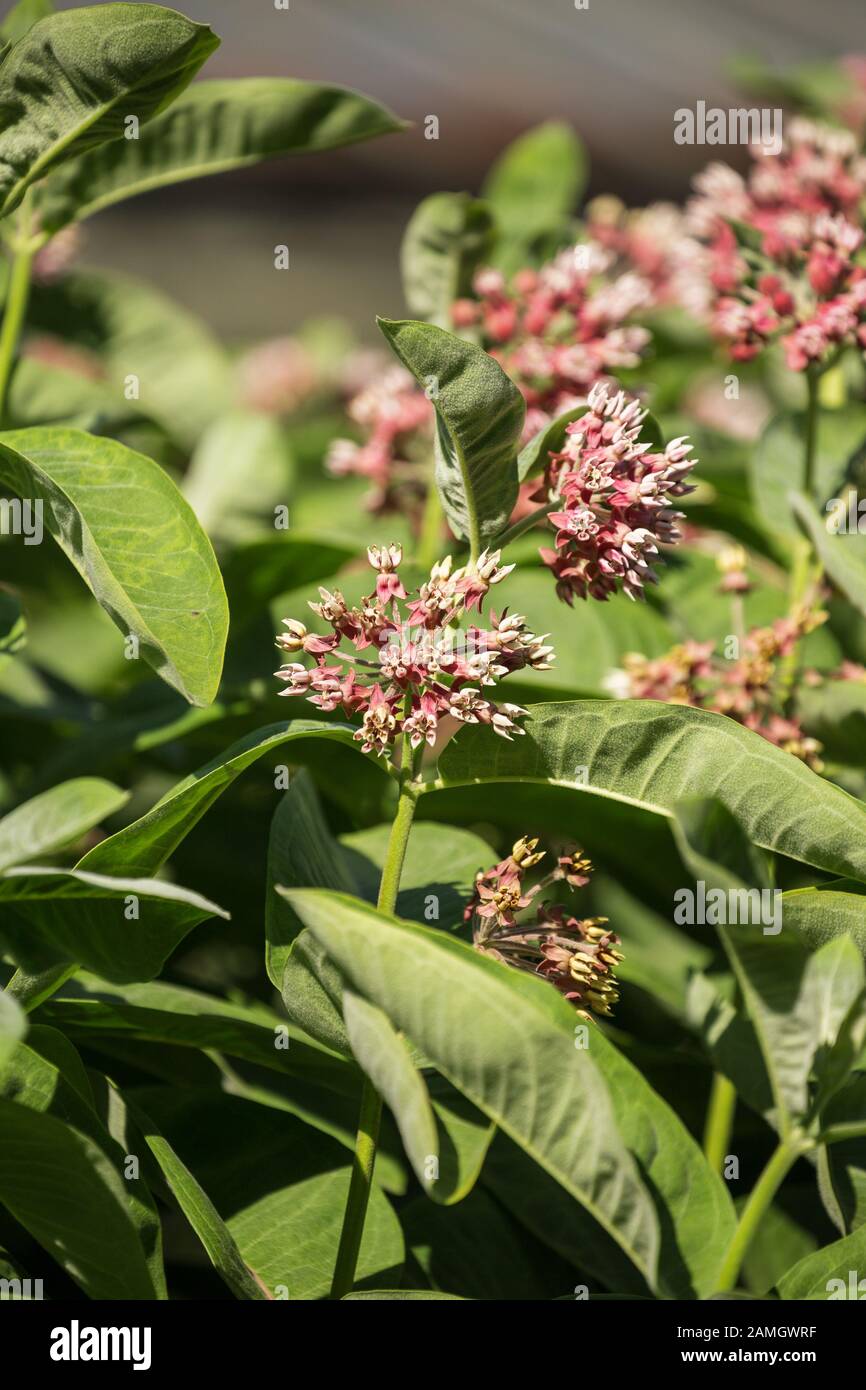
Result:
199,1210
510,1051
108,61
479,417
820,914
801,1003
48,1076
778,462
144,846
135,542
777,1244
842,555
61,1187
584,1114
237,503
84,918
533,189
210,128
449,235
377,1295
40,394
651,756
183,375
57,818
827,1273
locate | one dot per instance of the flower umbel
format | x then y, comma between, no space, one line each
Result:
615,498
421,665
577,955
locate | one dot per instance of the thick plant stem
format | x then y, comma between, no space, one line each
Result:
754,1211
371,1102
720,1120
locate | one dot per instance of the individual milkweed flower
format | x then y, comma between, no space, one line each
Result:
614,493
577,955
401,661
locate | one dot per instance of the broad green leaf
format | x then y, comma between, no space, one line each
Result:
159,1013
448,236
61,1187
478,1250
778,462
659,958
651,756
833,909
280,1187
135,542
121,928
22,17
533,189
236,503
143,846
842,1157
827,1274
513,1056
208,129
259,571
43,394
473,1017
57,818
479,416
198,1209
144,340
109,62
47,1076
800,1003
843,555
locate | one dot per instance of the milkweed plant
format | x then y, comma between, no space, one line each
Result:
541,896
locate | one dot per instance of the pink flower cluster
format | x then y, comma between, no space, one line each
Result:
558,330
802,282
613,498
397,420
577,955
744,689
420,665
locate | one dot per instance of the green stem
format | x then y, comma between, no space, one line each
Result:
524,524
720,1121
17,295
32,990
755,1209
812,407
371,1102
430,535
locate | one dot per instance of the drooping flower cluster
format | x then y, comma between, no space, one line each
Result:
420,666
745,689
577,955
791,270
613,497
